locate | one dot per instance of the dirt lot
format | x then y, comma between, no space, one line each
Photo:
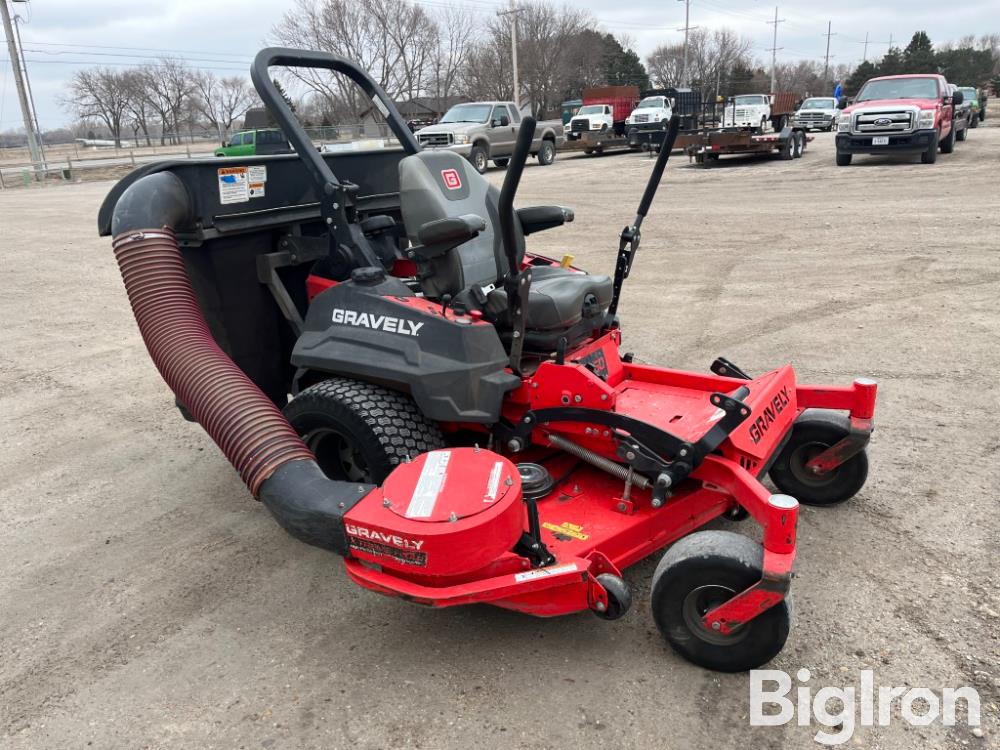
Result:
148,601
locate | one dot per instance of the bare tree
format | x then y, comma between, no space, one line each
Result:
221,100
169,85
394,40
102,94
138,110
711,58
454,43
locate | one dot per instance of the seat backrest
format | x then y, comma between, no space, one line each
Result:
439,185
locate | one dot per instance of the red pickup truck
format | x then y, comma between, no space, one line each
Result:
899,114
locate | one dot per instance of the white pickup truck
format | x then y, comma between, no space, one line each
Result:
652,109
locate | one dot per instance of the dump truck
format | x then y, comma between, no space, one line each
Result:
600,124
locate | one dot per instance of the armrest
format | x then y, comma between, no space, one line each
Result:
438,237
537,218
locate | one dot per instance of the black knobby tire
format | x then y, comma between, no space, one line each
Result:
699,573
546,153
359,431
844,160
961,134
778,123
948,144
502,163
813,432
479,158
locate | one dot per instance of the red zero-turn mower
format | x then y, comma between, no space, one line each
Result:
463,425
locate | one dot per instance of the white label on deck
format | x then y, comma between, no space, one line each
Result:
429,485
494,483
544,572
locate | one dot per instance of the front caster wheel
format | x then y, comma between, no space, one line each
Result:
695,576
619,597
813,433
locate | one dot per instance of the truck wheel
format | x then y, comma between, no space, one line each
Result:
502,163
588,151
479,158
812,433
763,124
948,144
930,155
778,123
787,150
798,143
961,134
359,431
699,573
844,160
974,123
546,153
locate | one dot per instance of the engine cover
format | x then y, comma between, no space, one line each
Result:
448,512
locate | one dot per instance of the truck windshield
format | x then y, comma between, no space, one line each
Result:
747,101
819,104
468,113
969,94
592,109
652,102
898,88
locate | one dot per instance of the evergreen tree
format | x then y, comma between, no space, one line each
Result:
622,67
892,64
919,57
857,79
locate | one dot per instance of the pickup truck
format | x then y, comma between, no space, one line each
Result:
977,104
818,112
484,131
906,114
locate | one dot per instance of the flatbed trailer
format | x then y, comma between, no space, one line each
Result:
601,142
707,145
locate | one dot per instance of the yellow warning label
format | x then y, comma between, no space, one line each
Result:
567,529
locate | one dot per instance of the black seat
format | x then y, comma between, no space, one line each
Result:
436,185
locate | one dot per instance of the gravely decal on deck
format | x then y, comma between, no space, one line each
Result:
767,417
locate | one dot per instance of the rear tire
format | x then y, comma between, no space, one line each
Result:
358,431
787,150
778,123
961,134
813,432
502,163
697,574
844,160
974,123
546,153
798,144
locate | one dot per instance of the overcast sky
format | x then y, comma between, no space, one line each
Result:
60,36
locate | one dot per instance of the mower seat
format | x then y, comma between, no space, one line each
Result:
436,185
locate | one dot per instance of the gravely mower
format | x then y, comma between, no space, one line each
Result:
462,425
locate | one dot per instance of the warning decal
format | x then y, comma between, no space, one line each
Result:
234,186
432,477
257,178
566,529
544,572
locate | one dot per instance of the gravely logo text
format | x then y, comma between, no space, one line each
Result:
386,323
770,414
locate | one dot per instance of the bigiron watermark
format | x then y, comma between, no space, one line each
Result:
840,710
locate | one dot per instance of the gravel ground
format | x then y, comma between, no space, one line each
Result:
148,601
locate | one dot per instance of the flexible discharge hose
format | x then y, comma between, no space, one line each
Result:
244,423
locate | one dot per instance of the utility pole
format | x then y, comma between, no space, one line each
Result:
864,57
27,86
687,28
890,41
22,94
826,64
774,47
514,10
